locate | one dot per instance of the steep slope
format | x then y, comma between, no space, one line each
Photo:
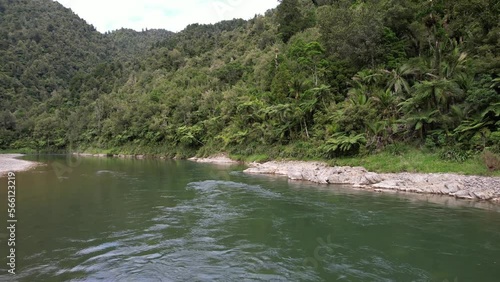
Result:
42,45
50,58
129,43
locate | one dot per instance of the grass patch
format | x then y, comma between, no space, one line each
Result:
415,160
257,158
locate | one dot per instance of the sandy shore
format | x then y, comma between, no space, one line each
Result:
10,163
458,186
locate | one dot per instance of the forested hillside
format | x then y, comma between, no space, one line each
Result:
42,47
50,60
310,79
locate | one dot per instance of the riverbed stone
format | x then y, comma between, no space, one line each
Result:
452,187
371,178
295,174
486,195
463,194
388,184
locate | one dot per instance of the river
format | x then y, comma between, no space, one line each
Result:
109,219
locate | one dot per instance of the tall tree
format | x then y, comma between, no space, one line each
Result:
289,18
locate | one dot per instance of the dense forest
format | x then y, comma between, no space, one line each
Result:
309,79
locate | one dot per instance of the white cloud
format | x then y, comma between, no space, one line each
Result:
108,15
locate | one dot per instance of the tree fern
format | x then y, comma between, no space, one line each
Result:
341,143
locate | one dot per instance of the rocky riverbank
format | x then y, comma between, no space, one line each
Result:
10,163
458,186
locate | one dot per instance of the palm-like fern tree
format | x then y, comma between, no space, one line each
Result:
434,100
397,79
437,93
422,121
487,121
342,143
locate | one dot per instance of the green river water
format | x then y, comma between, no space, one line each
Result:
106,219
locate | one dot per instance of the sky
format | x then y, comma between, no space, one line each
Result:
108,15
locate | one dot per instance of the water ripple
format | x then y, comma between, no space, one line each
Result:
97,248
219,187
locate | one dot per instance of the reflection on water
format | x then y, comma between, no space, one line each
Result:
152,220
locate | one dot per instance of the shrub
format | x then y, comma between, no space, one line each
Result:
397,149
341,144
491,160
455,155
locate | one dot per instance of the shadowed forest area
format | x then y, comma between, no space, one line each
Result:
306,80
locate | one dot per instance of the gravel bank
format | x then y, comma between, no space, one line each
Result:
218,159
9,162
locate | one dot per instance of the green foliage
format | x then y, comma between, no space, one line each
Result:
353,32
290,19
455,154
397,149
342,144
230,73
482,130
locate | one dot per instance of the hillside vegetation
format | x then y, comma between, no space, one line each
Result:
306,80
